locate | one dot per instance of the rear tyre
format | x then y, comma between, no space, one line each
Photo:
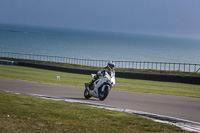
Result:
104,94
86,94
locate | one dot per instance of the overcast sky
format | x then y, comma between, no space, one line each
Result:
167,17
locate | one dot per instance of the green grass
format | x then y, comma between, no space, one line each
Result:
167,88
43,76
19,113
47,76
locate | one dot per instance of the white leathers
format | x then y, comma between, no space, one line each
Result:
111,72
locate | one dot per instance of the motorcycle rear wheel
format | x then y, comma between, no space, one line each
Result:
86,94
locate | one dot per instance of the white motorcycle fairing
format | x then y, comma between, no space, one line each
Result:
100,87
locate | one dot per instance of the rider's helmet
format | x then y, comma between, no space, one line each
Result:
111,65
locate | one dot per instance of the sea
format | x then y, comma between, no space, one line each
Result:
98,45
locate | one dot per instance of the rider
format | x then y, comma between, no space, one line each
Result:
109,69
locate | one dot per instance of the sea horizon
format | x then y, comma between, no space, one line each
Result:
100,45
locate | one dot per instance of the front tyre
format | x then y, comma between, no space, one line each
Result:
104,94
86,94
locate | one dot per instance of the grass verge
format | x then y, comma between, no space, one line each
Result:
97,68
47,76
21,113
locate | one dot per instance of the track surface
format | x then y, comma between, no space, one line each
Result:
175,106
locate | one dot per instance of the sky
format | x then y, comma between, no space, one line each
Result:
161,17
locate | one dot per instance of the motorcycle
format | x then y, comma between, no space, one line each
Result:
101,87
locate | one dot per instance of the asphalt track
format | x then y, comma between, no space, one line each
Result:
174,106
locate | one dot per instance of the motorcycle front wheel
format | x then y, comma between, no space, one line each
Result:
104,94
86,94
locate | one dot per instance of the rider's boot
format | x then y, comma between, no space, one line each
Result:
86,85
90,85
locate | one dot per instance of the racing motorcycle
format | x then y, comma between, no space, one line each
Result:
101,87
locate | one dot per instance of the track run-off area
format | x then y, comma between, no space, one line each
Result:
184,111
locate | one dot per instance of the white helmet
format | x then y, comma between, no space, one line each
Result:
111,65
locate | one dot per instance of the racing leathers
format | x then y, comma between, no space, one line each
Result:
101,72
105,69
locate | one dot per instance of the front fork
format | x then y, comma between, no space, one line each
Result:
104,86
